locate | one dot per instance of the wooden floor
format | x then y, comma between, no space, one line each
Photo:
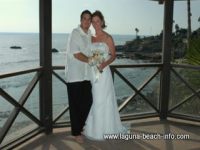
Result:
141,132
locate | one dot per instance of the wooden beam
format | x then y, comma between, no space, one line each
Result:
46,63
166,50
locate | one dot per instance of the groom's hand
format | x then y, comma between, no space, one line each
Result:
81,57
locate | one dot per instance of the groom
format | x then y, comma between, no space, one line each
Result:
78,75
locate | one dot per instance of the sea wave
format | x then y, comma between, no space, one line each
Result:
13,85
15,82
19,61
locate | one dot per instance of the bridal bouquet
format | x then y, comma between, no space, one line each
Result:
95,60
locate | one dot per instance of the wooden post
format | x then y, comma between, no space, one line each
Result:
166,50
46,63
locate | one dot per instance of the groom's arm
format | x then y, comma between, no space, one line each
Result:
80,56
74,44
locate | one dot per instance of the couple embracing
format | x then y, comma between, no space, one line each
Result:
92,102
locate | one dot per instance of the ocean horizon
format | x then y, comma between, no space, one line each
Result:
28,56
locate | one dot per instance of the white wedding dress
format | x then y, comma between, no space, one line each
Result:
103,117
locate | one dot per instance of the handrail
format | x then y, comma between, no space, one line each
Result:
114,69
120,66
38,70
185,66
6,75
19,106
61,67
137,65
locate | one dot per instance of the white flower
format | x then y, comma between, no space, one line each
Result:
95,60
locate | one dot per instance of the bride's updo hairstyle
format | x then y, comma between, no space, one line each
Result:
100,15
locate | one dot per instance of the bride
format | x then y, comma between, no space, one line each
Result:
104,116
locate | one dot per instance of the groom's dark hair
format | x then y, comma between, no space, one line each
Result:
86,12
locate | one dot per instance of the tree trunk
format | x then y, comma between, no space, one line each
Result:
189,22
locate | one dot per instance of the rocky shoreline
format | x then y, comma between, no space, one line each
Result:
147,48
150,48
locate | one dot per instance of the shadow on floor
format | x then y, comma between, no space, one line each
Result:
146,134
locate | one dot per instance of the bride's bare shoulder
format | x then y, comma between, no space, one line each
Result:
107,36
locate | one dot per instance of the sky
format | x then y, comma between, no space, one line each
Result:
121,16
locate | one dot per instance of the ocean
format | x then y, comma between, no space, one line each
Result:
12,60
28,57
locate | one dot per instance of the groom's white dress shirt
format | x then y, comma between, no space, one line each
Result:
76,70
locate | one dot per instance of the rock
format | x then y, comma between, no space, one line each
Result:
16,47
120,47
54,50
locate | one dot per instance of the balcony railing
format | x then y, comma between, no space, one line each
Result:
137,89
16,107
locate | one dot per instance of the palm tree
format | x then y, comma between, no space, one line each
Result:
177,28
136,30
189,22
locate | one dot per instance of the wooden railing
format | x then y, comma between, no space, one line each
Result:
19,105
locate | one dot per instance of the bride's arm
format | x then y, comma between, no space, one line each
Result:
111,46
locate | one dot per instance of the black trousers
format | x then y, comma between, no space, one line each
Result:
80,101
